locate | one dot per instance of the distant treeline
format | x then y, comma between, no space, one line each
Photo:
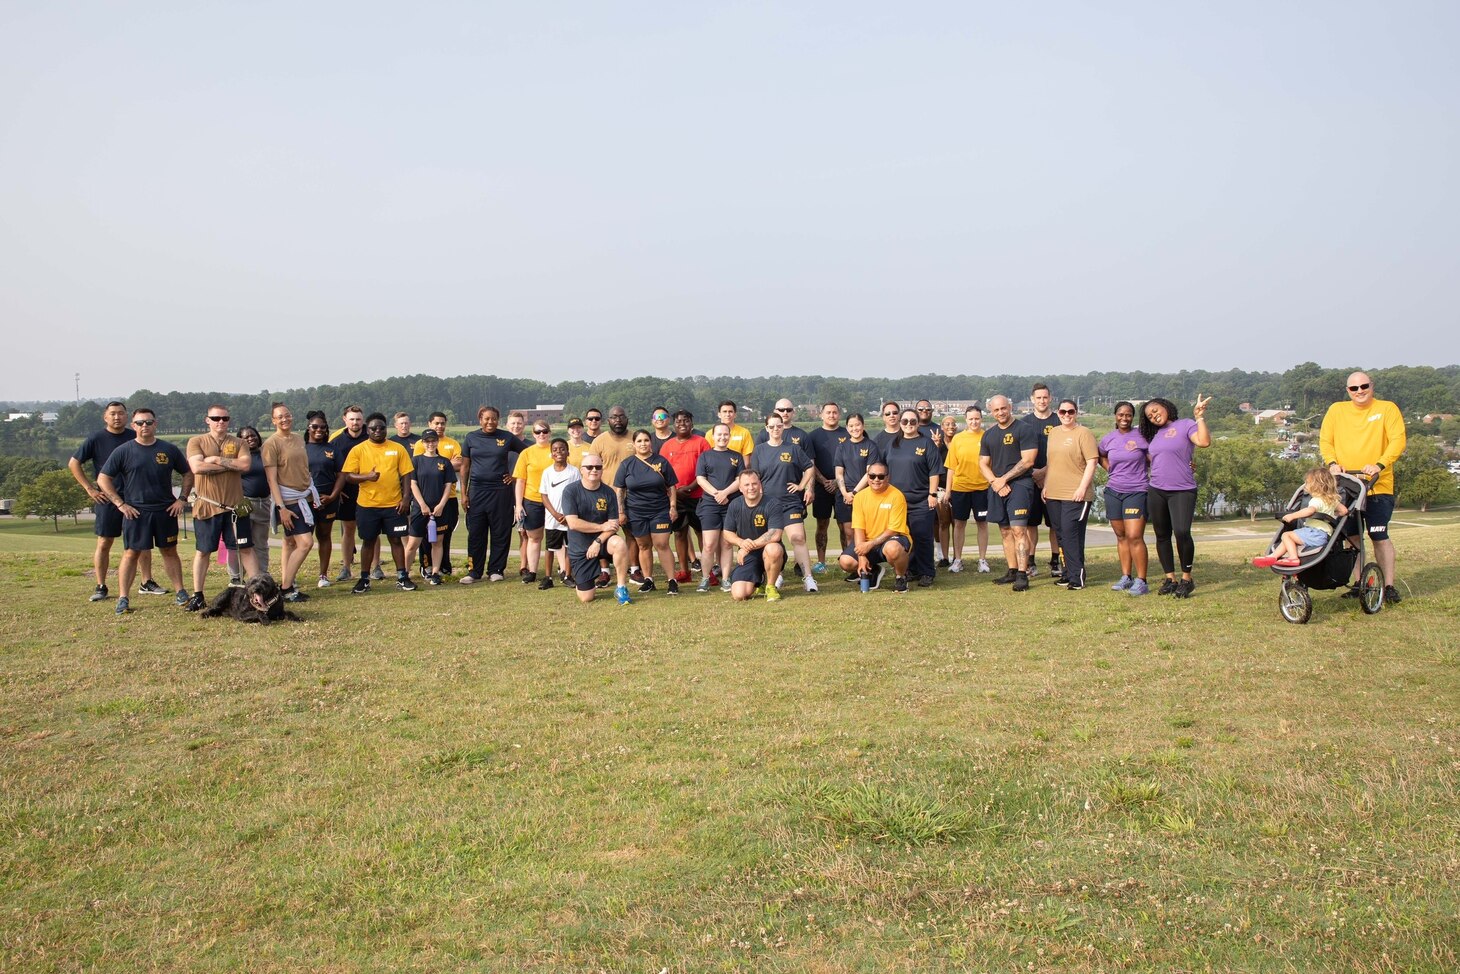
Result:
1307,388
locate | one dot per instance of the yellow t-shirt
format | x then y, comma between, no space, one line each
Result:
962,460
741,440
394,463
531,462
1354,438
575,452
874,513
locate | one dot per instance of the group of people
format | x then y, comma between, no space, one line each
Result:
594,508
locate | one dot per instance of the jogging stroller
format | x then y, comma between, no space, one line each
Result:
1332,565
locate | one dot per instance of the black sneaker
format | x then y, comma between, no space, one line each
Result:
99,594
1168,587
601,582
944,563
1073,587
852,577
647,585
362,586
434,579
1007,578
195,603
529,578
150,587
404,583
670,589
799,572
1391,595
292,594
1021,582
1354,593
694,564
899,586
925,581
1184,588
1056,568
546,583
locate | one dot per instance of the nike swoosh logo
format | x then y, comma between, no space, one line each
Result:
557,483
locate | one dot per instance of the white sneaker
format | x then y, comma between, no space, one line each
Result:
1033,570
983,566
780,580
495,577
811,584
323,582
956,566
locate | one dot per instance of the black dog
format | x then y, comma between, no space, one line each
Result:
259,601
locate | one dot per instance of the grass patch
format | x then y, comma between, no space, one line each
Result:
880,813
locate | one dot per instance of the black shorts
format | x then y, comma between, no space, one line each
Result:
1125,506
711,515
843,510
299,526
325,515
751,570
1378,509
347,508
222,528
1039,510
1015,510
969,503
108,520
554,540
642,527
585,572
794,509
416,527
372,522
534,515
823,503
688,517
875,556
148,530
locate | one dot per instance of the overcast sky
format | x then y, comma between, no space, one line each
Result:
266,195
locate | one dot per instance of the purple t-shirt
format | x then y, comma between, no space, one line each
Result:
1126,453
1171,452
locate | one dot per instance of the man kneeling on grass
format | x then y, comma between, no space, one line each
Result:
590,509
753,533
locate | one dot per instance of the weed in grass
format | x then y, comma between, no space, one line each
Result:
1182,721
1186,742
1084,734
1173,821
1272,828
882,814
1129,794
459,759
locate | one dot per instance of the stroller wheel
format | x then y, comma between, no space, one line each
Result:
1294,602
1371,588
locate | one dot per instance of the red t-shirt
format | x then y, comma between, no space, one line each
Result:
682,456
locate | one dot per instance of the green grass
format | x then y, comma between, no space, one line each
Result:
496,778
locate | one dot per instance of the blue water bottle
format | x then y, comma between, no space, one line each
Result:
431,530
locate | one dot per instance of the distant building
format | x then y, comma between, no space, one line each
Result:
549,413
1276,416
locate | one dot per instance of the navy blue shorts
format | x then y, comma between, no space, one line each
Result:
1125,507
372,522
1039,510
843,510
1378,509
1015,510
641,527
688,517
108,522
222,528
585,572
711,515
326,514
823,503
752,569
970,503
299,526
534,515
347,507
148,530
875,556
794,509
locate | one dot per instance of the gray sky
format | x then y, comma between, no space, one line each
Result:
331,192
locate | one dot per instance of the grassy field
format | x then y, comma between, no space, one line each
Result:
495,778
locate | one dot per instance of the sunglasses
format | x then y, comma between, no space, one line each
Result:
785,409
316,426
1358,388
219,419
1067,412
591,466
661,415
890,413
594,419
144,422
909,422
541,432
876,476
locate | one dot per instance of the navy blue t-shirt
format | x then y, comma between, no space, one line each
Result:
824,445
434,475
909,465
97,447
491,456
1042,427
793,435
146,473
749,522
255,482
409,442
646,483
719,467
324,465
598,506
1004,447
343,443
855,458
779,466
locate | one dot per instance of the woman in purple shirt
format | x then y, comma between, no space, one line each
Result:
1172,495
1124,453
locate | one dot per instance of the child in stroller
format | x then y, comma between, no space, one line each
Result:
1319,516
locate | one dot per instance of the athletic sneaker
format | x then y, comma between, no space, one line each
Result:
799,572
1167,587
1033,569
944,563
622,594
1139,587
694,564
469,579
811,585
1391,595
772,594
671,588
1184,588
704,585
899,587
404,583
195,603
600,582
292,594
522,571
181,598
636,575
362,585
956,565
1265,561
322,583
529,578
1353,593
819,568
344,575
376,574
683,577
495,577
150,587
877,579
1123,585
725,586
1055,567
1007,578
1073,587
99,594
647,585
434,579
124,606
925,581
1021,582
983,566
852,577
714,577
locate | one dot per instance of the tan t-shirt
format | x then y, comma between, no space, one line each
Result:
1069,452
614,450
224,487
288,456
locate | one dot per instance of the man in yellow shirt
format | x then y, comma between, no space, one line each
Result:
741,440
447,447
1367,435
383,469
879,531
968,489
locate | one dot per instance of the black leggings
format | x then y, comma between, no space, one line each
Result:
1172,511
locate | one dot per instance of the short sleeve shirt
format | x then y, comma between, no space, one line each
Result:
286,454
434,475
1126,455
910,465
1005,447
644,483
394,463
97,447
213,489
751,522
145,472
1171,452
779,466
597,506
874,513
855,457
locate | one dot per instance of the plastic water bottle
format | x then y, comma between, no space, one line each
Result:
864,583
431,530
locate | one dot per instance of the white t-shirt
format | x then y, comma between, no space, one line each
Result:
554,482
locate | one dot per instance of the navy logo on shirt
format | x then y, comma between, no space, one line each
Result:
501,442
862,452
785,458
329,454
161,459
601,504
921,450
760,520
1008,439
